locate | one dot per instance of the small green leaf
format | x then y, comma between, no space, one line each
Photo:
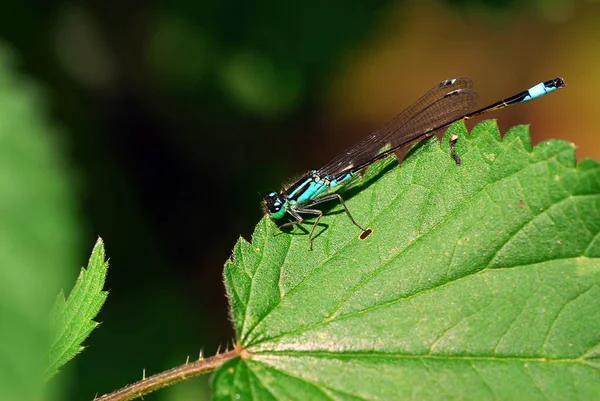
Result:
479,281
73,318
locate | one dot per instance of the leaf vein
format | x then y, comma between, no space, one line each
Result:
483,380
560,311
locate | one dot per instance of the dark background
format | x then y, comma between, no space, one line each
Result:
177,115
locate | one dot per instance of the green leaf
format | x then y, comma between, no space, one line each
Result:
73,318
479,281
39,232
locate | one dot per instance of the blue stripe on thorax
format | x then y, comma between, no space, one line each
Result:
315,189
311,186
300,186
340,179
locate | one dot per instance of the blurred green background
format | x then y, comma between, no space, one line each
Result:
159,125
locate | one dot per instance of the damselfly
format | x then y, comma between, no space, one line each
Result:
450,101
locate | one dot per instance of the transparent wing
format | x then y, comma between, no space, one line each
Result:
442,105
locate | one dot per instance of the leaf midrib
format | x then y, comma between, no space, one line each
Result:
257,356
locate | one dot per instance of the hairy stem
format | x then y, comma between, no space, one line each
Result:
171,376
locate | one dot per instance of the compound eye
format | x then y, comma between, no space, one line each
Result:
272,200
274,206
277,212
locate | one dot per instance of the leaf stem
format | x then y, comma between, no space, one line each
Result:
171,376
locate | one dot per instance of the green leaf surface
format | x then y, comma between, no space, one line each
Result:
479,281
39,231
73,317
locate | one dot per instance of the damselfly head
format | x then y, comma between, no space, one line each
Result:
274,206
